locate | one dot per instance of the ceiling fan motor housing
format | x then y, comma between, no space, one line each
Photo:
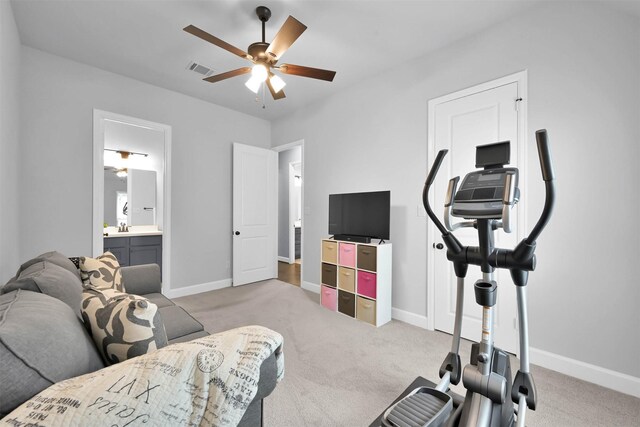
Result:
259,53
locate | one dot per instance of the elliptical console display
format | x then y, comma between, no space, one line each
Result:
484,201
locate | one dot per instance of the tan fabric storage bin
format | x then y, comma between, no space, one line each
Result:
330,252
347,279
366,310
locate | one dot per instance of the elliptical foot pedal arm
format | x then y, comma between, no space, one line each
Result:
423,407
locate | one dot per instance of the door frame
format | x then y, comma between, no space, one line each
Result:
291,235
292,209
521,79
99,118
278,149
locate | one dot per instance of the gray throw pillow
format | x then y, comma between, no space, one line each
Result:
42,342
55,258
51,279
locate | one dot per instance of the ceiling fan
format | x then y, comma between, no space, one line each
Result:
265,56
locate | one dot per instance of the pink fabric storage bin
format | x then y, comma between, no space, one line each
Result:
329,298
347,254
367,284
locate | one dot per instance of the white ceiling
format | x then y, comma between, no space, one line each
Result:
143,39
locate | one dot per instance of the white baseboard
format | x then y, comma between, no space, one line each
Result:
408,317
594,374
284,259
587,372
197,289
404,316
311,287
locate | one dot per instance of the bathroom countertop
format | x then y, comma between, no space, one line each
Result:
112,232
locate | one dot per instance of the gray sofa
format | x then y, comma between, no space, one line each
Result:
43,339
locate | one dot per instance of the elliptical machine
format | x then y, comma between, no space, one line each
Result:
485,200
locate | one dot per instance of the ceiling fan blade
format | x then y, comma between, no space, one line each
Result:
276,95
288,33
228,74
216,41
314,73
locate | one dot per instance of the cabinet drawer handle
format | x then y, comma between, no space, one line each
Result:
366,253
346,274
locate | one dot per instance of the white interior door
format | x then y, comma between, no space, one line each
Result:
142,197
460,124
255,214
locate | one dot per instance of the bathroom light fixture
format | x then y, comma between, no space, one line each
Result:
125,154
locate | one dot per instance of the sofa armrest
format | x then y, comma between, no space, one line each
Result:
142,279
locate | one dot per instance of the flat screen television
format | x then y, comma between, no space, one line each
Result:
360,215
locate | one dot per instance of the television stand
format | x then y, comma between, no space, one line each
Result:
352,238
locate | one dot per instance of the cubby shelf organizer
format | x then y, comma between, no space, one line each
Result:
356,280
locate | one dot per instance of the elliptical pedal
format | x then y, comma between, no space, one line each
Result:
423,407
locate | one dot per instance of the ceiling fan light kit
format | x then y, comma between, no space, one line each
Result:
277,83
253,84
260,72
265,56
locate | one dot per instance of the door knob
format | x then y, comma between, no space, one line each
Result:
237,233
438,245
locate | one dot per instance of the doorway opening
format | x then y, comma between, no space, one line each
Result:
290,212
131,189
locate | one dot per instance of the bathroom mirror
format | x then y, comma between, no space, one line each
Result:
130,198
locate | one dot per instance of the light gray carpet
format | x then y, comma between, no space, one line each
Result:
343,372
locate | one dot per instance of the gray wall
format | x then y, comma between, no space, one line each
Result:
58,98
583,64
10,73
284,223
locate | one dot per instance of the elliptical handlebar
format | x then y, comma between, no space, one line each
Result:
425,191
545,155
546,166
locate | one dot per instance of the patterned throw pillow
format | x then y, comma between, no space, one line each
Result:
102,272
122,325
